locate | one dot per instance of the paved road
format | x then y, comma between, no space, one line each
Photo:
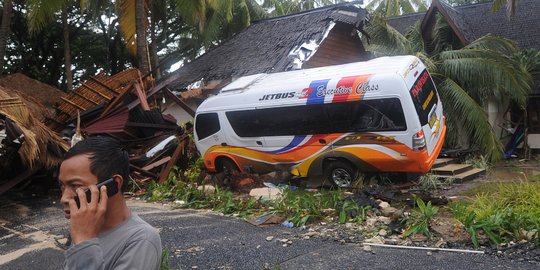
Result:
30,227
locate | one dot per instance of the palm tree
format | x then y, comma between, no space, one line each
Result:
396,7
214,21
7,11
466,76
42,12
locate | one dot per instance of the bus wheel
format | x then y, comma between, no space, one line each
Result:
227,166
341,174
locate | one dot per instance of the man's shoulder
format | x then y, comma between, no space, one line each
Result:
140,229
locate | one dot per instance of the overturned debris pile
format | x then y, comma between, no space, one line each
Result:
119,106
26,144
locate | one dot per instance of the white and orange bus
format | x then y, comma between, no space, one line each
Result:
382,115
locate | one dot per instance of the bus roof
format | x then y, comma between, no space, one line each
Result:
245,91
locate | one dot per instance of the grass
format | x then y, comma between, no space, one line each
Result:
431,182
503,211
299,206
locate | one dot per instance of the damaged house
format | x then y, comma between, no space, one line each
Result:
320,37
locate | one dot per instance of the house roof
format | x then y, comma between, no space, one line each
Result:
263,47
476,20
42,93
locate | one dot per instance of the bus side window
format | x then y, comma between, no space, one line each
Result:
206,124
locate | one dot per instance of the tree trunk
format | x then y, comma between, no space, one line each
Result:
140,23
4,31
67,52
153,47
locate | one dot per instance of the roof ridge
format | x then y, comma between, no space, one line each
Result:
319,9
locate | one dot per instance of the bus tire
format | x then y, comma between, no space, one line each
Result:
340,173
226,165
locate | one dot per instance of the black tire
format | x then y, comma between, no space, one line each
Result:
227,166
341,174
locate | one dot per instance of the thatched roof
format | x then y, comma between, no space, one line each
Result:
42,147
476,20
45,94
264,46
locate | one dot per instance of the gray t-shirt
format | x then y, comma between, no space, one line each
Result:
132,245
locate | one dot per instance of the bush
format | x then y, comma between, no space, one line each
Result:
508,211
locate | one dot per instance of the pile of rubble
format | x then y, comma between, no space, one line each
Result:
127,106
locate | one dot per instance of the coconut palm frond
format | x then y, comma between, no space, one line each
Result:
42,12
430,63
414,35
393,8
373,5
482,70
193,11
529,60
256,11
386,39
494,43
443,36
420,5
406,6
461,108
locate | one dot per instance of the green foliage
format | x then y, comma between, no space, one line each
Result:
420,218
480,162
430,182
514,213
303,207
165,259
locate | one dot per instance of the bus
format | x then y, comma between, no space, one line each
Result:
382,115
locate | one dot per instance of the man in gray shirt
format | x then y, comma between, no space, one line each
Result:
104,232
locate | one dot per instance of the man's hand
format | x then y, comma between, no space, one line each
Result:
86,222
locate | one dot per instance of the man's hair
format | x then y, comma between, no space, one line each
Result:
107,157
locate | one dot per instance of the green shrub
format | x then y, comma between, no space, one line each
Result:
508,211
420,218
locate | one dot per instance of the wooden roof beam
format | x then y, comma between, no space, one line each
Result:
73,103
96,91
103,84
83,97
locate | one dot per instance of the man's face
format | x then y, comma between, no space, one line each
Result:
74,173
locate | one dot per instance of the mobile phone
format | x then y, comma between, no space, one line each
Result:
112,188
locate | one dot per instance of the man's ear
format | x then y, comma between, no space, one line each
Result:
119,181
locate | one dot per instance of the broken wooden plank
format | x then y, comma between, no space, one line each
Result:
96,91
178,101
116,100
156,164
165,173
142,97
142,171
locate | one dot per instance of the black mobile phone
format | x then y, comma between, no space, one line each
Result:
112,188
